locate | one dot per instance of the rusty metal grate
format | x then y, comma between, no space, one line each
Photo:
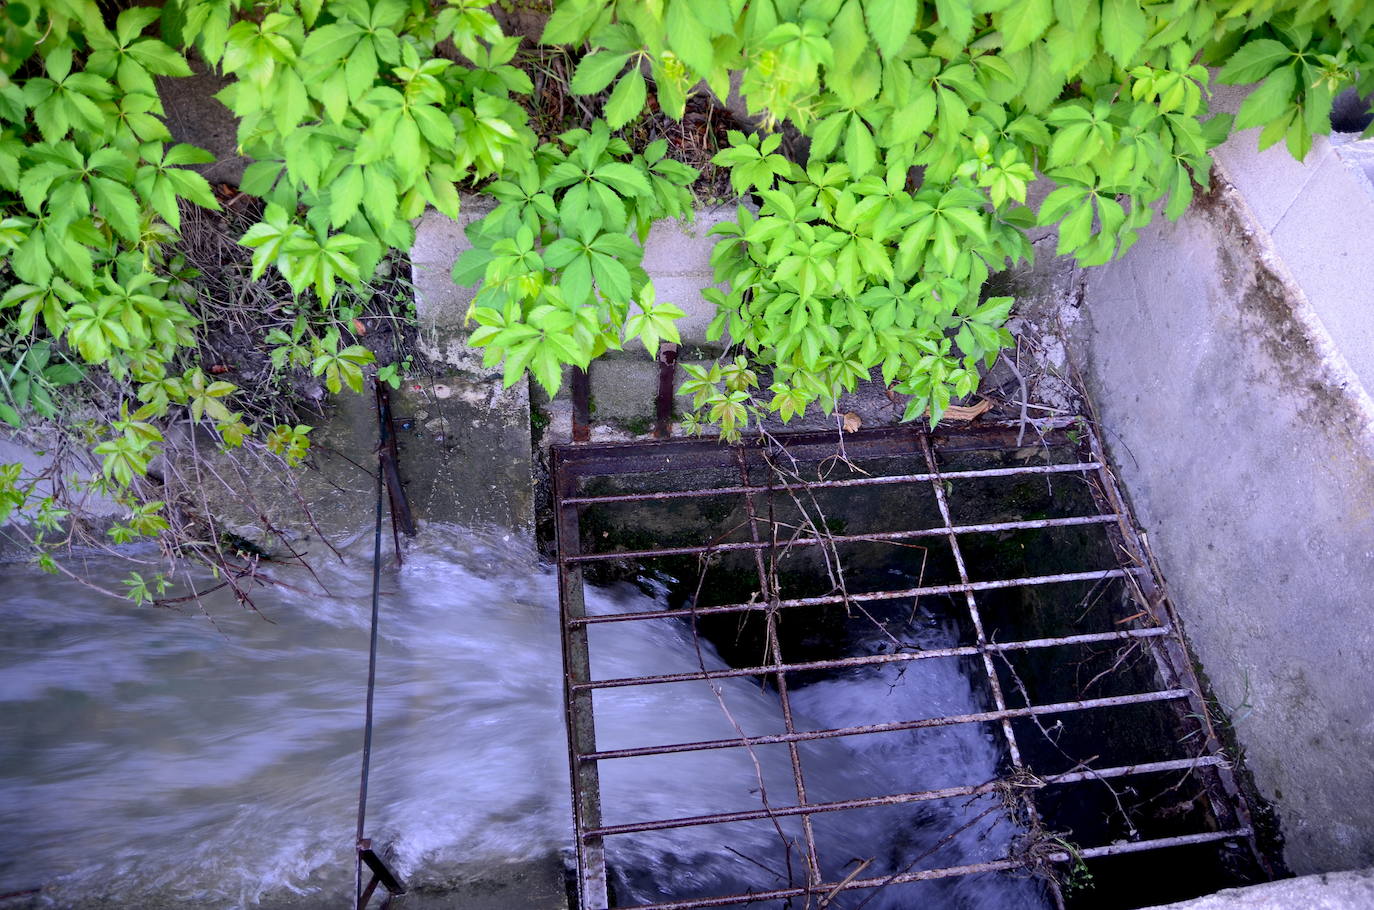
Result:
677,473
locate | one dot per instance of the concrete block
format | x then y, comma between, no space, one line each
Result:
626,388
441,307
1271,180
1329,891
676,247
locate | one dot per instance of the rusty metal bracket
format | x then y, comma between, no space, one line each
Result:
381,875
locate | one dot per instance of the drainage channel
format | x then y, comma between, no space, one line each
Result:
813,558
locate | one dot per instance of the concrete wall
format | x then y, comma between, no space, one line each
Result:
1230,356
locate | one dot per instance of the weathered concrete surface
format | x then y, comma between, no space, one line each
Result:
1327,891
1216,351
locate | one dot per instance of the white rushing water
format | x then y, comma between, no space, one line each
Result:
149,757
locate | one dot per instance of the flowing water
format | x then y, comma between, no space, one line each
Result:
157,758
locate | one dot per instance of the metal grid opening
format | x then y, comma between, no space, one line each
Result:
950,513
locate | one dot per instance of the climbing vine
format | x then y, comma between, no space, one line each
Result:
887,176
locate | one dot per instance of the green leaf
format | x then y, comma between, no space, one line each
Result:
595,72
345,195
118,206
688,37
890,23
1269,101
1254,61
1123,29
571,20
627,100
1025,22
859,149
624,179
957,18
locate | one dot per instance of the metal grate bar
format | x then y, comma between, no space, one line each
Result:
902,594
584,777
872,802
878,537
1076,467
871,659
1001,715
768,590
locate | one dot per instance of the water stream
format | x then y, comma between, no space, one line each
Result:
156,758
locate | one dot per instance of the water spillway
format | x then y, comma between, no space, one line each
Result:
157,758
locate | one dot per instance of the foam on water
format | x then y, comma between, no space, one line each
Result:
152,756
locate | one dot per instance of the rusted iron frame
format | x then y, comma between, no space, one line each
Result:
1001,865
882,480
876,537
1213,760
865,597
901,799
947,720
1170,656
602,458
840,663
381,875
581,725
770,594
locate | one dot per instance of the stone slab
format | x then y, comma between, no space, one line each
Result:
1327,891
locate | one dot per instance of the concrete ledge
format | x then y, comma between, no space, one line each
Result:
1319,217
1246,441
1330,891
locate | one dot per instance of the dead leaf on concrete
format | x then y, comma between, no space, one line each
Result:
959,412
852,422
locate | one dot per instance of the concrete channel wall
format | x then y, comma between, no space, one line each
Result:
1230,356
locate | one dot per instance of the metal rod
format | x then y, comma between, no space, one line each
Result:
1063,707
768,591
581,391
1001,865
1171,657
359,840
975,615
971,602
834,484
663,405
871,659
897,799
877,537
902,594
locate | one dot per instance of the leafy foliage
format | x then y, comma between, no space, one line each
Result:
559,258
926,123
